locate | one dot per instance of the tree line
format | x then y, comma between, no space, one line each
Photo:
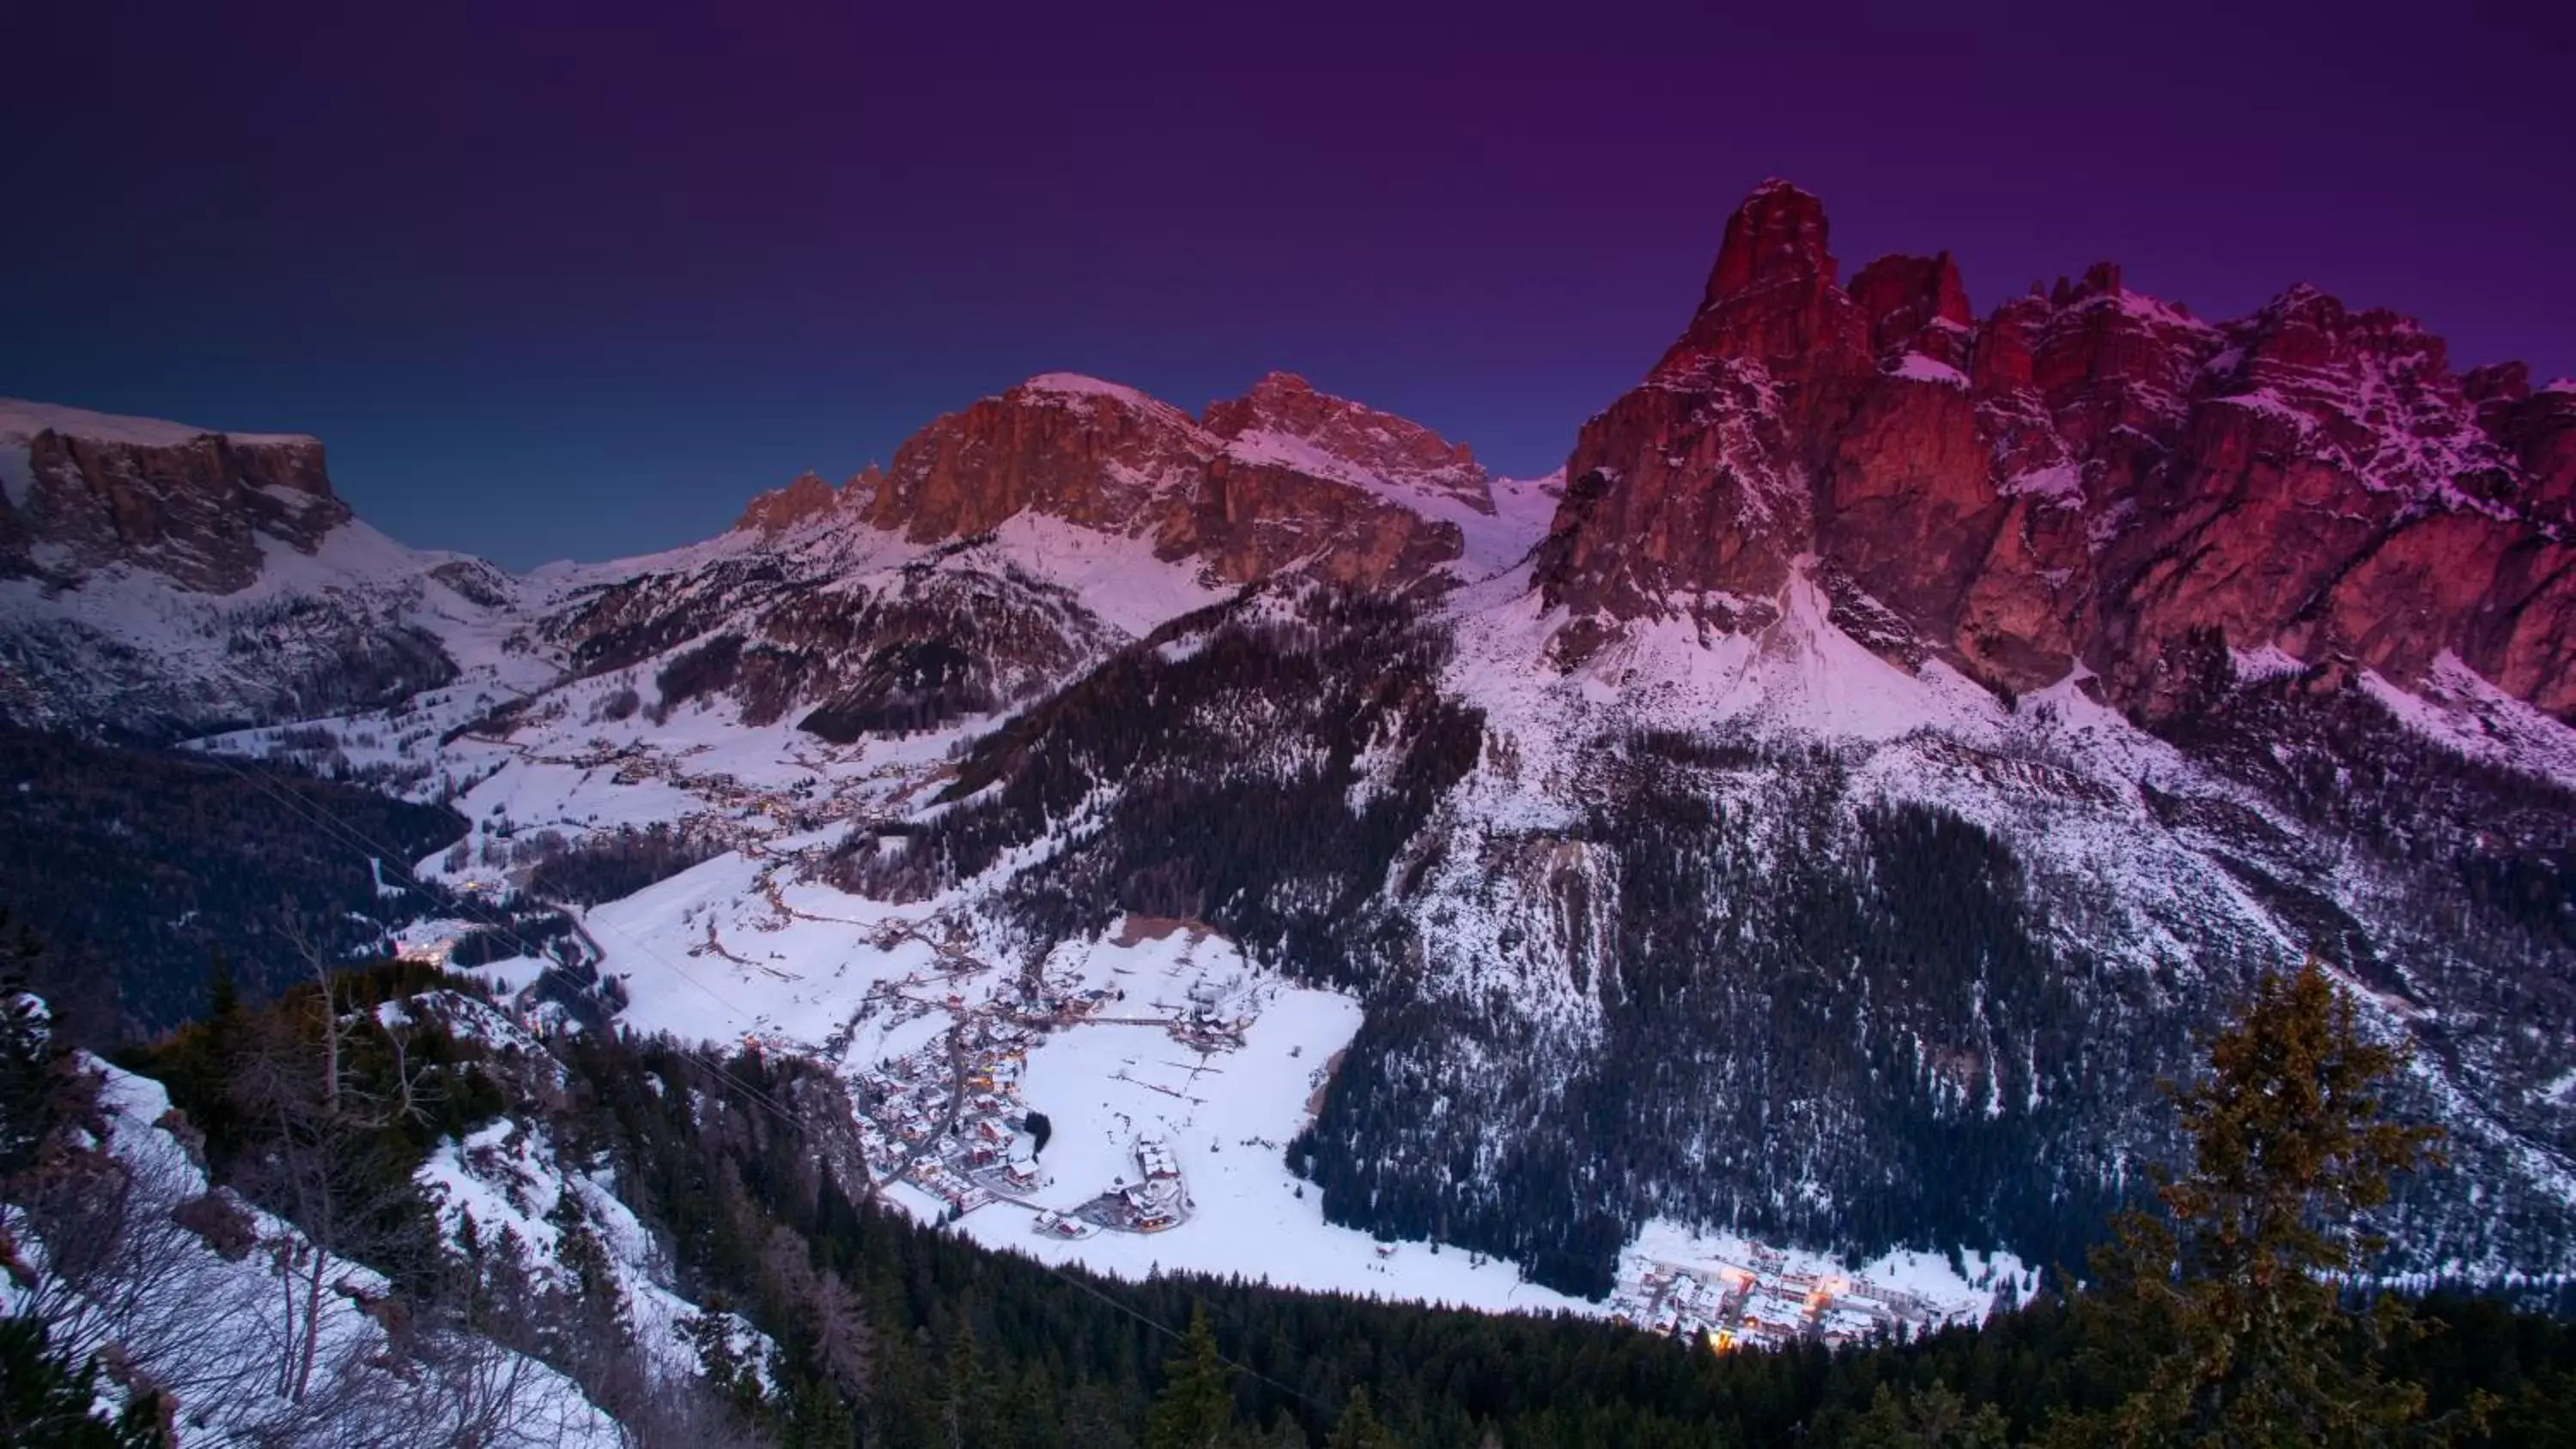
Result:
2222,1312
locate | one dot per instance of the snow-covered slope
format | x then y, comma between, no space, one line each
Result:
1853,946
158,580
195,1294
1555,903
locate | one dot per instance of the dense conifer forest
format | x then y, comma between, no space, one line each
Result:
138,867
891,1333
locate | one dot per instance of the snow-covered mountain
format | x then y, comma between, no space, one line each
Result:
1822,813
2088,477
159,580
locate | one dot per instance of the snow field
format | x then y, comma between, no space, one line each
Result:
1227,1118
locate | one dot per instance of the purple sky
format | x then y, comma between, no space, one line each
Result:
555,279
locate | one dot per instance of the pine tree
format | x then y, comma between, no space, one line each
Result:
1931,1418
46,1403
29,1078
966,1392
1093,1419
1196,1409
727,1369
223,994
816,1418
1358,1427
2230,1305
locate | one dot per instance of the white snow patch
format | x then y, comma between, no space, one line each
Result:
2060,485
1227,1119
2457,707
2269,662
1917,367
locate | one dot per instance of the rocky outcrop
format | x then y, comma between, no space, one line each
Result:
1285,478
85,491
2087,477
159,581
807,501
1284,421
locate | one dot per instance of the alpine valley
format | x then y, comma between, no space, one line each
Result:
1812,823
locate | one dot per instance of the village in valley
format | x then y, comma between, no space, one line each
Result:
1050,1105
951,1119
1729,1293
945,1117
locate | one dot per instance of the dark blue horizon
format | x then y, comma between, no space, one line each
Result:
579,281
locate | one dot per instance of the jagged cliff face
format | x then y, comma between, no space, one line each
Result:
85,491
1284,478
2085,478
158,580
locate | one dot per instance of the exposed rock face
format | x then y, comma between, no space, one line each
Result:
1282,478
1285,420
808,500
84,491
159,580
2087,477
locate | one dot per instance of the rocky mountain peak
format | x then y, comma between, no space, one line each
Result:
1777,237
2087,477
1280,401
780,509
1285,477
2102,279
1284,420
81,491
2497,382
1915,304
1090,452
1772,297
807,500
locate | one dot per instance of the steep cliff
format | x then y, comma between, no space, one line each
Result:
2086,478
159,580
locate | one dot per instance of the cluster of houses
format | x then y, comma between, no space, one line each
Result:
1154,1200
1763,1304
428,950
791,807
948,1117
1215,1015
